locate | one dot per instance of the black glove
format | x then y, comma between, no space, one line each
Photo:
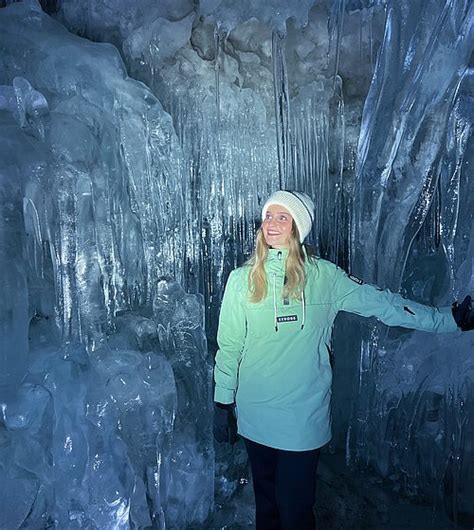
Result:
225,423
464,314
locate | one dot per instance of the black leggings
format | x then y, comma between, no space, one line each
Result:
284,484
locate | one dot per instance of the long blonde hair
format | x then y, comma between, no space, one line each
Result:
295,273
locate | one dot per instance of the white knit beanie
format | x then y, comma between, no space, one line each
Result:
298,204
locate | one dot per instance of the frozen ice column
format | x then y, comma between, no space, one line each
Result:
13,286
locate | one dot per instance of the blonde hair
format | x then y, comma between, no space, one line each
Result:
295,273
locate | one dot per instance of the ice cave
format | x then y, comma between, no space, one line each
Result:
138,143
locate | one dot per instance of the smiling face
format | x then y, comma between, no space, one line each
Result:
277,226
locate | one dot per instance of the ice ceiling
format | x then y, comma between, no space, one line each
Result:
138,140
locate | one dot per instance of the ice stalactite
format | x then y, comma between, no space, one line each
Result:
336,28
317,138
310,140
14,289
282,111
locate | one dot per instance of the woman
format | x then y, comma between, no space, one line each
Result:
273,360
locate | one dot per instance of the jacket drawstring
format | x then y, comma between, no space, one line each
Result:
275,312
275,302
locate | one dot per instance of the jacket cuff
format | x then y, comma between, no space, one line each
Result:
225,396
448,324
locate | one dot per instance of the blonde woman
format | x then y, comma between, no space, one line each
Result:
273,361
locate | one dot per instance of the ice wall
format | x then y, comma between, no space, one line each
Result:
413,230
103,144
120,184
110,426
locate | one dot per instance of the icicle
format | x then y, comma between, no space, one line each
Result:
280,85
336,147
217,46
336,26
371,40
32,224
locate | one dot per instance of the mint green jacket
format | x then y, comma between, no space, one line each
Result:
273,357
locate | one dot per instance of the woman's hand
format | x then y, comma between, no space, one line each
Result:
225,423
463,314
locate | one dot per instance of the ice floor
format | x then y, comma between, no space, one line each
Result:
362,502
346,501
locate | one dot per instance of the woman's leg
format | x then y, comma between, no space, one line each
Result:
263,461
296,488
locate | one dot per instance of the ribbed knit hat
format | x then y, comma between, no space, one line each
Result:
298,204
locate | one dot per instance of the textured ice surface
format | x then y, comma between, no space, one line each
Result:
421,74
18,495
414,230
117,439
275,13
109,188
102,142
99,432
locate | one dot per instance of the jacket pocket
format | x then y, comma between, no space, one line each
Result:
319,315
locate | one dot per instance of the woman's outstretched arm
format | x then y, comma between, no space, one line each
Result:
355,296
